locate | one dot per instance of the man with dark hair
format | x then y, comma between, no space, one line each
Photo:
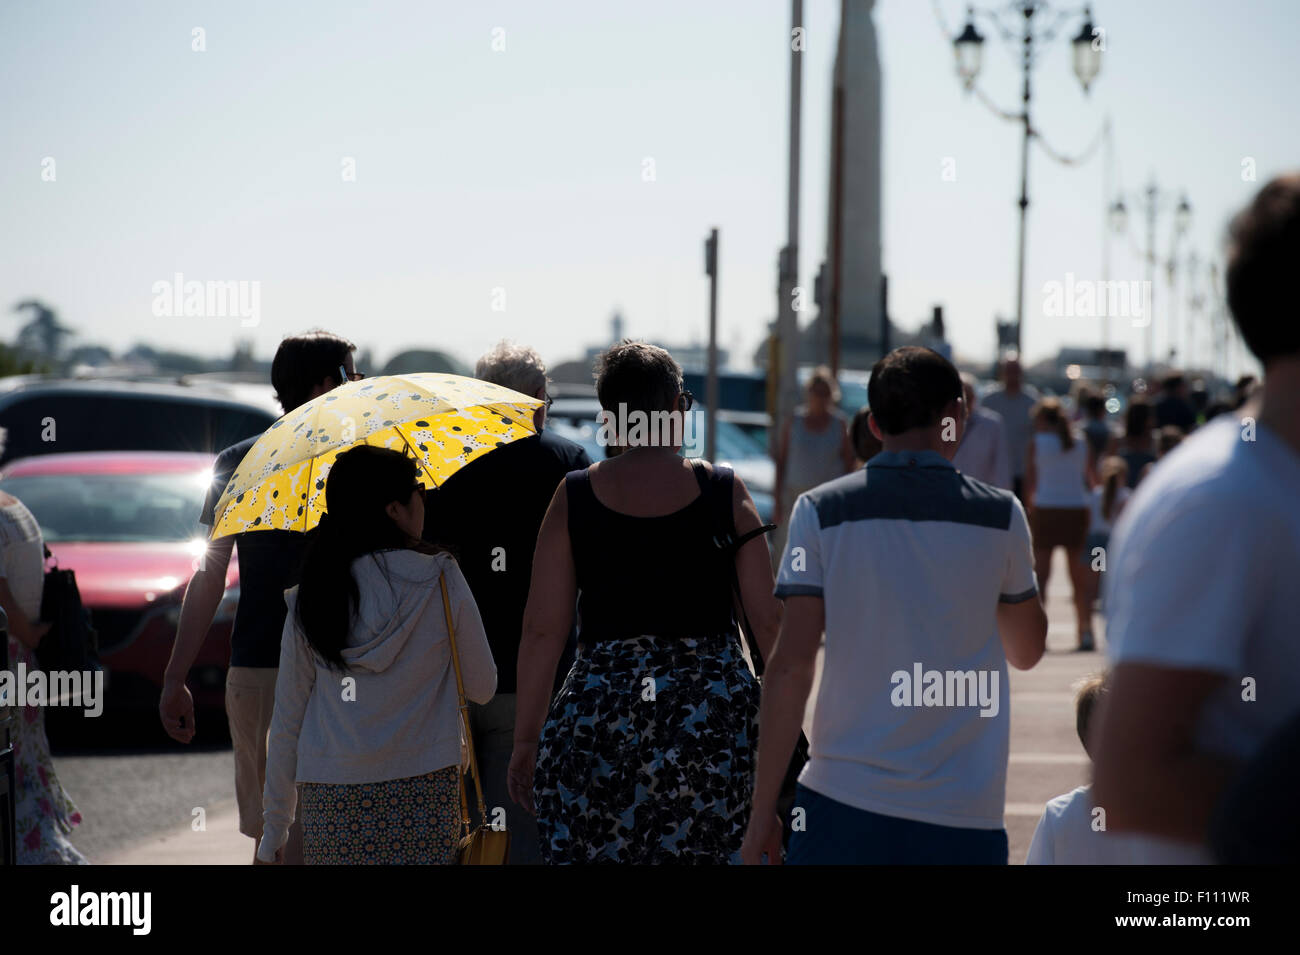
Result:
304,367
488,514
1207,669
922,580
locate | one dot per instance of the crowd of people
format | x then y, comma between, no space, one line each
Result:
610,617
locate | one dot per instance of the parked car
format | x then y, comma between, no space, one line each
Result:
127,524
58,415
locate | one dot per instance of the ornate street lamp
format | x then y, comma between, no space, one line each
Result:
1087,54
969,50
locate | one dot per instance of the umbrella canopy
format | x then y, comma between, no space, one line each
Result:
443,421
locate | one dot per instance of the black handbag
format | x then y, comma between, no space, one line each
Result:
71,643
726,540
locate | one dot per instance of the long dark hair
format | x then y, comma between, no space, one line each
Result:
361,484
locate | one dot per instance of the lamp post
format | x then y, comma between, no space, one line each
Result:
968,47
1151,202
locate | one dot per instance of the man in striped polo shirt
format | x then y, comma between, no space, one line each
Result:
923,581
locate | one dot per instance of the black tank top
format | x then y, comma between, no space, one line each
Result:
659,576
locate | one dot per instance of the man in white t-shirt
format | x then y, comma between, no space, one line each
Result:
1014,401
1205,560
923,581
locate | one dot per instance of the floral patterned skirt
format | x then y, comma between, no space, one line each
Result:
648,754
411,821
45,813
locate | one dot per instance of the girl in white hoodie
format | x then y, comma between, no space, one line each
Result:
366,719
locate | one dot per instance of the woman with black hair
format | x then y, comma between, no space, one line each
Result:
366,715
647,754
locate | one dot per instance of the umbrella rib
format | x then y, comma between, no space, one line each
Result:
417,457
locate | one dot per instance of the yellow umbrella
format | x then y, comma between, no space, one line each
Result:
443,421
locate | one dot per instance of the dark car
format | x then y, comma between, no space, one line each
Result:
56,415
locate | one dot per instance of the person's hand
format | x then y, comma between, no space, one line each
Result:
519,778
762,838
176,710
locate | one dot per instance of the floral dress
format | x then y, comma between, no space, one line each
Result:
45,815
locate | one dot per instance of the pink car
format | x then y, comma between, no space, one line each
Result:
127,523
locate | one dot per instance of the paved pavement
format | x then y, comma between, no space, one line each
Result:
1046,757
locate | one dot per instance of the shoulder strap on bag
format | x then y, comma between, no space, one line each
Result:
464,716
720,484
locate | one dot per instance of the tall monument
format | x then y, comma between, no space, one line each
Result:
852,277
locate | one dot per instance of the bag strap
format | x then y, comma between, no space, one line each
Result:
464,715
725,539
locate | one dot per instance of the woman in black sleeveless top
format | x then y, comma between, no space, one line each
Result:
647,754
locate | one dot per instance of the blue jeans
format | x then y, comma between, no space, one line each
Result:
836,834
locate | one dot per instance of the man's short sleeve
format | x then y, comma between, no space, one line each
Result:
1185,577
1018,580
800,574
222,469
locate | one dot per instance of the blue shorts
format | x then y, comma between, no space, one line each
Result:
836,834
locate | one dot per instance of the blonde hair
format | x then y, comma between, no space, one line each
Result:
1113,471
1088,692
821,375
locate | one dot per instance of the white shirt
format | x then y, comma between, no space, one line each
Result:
983,450
911,558
1205,574
1068,834
1060,471
1015,421
1097,522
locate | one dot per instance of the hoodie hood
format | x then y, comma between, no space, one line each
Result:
397,588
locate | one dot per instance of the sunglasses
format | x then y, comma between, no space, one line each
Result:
344,376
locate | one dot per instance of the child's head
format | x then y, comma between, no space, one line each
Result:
1088,693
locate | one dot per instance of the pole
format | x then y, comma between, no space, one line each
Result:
711,386
1152,196
1029,9
787,320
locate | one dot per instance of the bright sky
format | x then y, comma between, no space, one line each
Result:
522,170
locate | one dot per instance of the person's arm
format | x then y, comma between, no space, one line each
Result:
202,597
548,619
1031,474
778,486
1023,629
1001,460
294,684
786,685
1022,622
754,572
788,679
846,446
477,668
24,631
1149,775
